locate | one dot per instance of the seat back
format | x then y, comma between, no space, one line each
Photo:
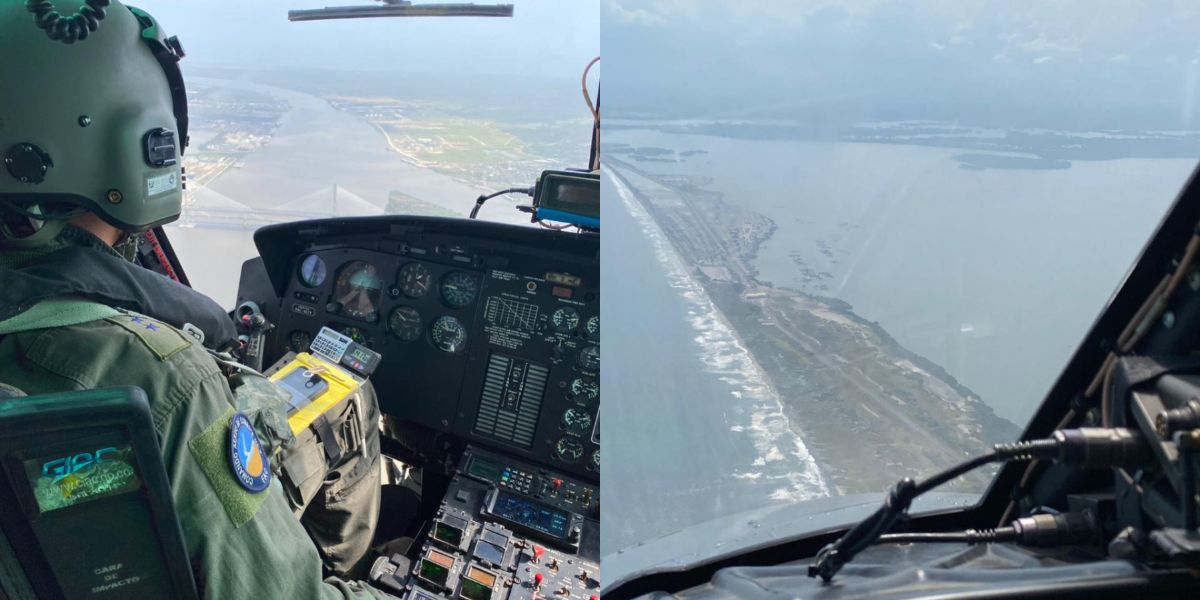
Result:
85,504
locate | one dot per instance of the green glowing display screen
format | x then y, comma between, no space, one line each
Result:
484,469
448,534
65,480
433,572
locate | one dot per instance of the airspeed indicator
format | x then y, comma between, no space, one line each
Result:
415,279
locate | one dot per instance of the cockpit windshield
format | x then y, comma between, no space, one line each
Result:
852,241
302,120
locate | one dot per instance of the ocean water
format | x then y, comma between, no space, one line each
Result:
994,274
693,431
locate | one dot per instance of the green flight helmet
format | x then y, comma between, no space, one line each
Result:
93,113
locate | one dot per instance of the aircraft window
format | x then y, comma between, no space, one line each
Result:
415,116
849,242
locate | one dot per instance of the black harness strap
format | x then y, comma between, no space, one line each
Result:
333,448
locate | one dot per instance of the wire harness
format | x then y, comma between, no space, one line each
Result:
1084,447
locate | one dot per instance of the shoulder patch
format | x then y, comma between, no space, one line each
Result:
211,450
162,339
247,456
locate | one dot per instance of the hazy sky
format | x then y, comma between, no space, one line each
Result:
543,38
1042,63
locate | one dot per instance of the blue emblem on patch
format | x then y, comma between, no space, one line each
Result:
247,456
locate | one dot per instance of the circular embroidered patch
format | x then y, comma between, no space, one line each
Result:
247,457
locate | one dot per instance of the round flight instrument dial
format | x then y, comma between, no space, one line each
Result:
596,459
459,289
593,328
564,319
589,358
299,341
357,291
577,419
585,389
405,323
415,279
568,449
312,271
448,335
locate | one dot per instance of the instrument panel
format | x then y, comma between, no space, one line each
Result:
488,331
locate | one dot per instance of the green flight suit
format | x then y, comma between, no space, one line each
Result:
242,545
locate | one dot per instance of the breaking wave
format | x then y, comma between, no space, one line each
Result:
724,355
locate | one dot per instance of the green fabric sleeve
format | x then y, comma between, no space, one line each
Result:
269,555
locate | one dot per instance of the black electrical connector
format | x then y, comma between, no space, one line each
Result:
1036,530
1089,447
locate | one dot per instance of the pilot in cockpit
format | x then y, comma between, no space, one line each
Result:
93,123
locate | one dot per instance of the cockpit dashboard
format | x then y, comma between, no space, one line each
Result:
488,332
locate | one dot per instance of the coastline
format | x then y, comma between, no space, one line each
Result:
768,424
814,353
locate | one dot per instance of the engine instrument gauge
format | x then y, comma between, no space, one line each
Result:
415,279
568,449
405,323
585,389
564,319
592,329
459,289
596,459
312,271
357,291
448,335
299,341
589,358
577,419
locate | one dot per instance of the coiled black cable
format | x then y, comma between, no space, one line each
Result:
528,191
68,29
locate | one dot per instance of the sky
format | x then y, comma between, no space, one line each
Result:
544,38
1081,63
